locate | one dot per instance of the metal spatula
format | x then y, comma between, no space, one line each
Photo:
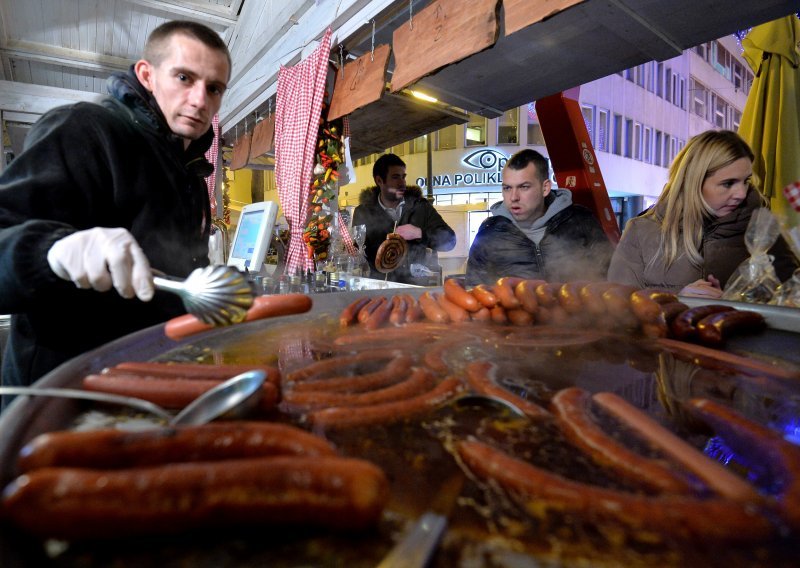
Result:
217,295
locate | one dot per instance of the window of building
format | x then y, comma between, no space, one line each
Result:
699,98
475,131
657,149
588,117
736,119
721,60
400,149
652,71
602,130
666,160
637,141
446,138
660,80
508,127
628,138
668,85
420,145
720,112
673,148
617,141
682,93
647,145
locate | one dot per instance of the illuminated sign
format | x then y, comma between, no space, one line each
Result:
488,161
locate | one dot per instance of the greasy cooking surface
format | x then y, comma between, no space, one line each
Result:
486,525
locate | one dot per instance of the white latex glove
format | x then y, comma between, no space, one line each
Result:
99,258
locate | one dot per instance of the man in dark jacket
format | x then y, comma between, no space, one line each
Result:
102,193
392,207
536,232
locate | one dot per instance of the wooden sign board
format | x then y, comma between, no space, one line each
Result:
241,152
263,140
444,32
360,82
522,13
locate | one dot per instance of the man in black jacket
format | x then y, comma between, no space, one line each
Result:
392,207
536,232
102,193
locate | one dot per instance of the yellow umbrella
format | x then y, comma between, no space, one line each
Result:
771,119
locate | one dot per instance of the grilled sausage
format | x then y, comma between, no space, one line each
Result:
684,326
716,328
74,503
455,292
263,307
116,449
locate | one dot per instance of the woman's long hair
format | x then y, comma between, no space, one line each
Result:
681,209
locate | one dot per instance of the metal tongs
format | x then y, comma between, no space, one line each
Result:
418,545
217,295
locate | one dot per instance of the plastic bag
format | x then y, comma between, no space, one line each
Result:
755,281
788,293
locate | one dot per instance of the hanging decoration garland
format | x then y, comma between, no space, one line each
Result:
324,187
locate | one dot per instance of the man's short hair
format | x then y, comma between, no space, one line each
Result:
382,165
521,159
155,48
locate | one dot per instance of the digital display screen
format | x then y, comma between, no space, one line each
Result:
245,244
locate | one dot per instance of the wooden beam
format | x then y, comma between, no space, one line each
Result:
43,53
208,15
38,99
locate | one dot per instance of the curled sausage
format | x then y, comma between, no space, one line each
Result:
571,408
520,317
116,449
677,516
480,376
395,370
455,313
419,381
646,303
263,307
75,503
684,326
485,296
716,328
399,310
455,292
504,290
431,308
592,297
569,296
379,316
366,311
349,315
525,292
413,310
547,294
344,417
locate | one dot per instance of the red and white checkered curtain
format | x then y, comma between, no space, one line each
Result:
213,156
298,106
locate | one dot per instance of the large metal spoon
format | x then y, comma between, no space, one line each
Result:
211,404
217,295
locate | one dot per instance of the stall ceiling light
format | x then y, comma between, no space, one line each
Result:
424,97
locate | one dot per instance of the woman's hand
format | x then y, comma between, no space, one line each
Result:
709,288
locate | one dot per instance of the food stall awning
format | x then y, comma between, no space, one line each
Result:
587,41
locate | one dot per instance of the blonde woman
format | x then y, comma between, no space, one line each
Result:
692,239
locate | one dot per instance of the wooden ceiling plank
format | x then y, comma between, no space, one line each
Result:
522,13
38,99
444,32
209,16
63,56
360,82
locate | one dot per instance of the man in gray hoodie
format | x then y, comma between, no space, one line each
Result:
536,231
